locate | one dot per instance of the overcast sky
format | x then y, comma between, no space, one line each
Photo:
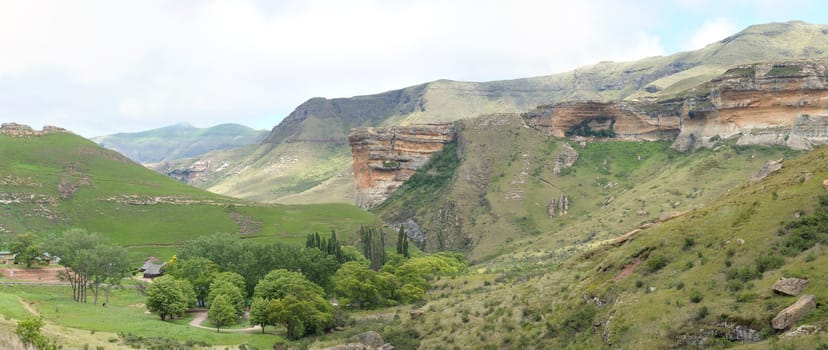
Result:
101,67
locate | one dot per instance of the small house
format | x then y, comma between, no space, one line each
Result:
152,268
6,257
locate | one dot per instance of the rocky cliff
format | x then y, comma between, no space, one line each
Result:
21,130
780,103
385,157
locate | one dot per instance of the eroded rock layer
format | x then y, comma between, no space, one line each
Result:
781,103
385,157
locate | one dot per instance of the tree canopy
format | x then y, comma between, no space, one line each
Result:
168,296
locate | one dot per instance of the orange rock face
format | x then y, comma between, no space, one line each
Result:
627,120
782,103
385,157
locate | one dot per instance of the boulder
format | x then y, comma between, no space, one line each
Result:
370,338
825,184
789,286
792,314
415,314
770,167
805,329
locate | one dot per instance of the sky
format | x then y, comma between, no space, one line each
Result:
102,67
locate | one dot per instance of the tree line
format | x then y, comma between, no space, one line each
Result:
292,286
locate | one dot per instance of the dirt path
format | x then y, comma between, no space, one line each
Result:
28,307
201,316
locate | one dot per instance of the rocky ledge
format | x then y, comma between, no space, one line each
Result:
385,157
22,130
780,103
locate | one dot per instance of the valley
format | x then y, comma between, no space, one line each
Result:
654,204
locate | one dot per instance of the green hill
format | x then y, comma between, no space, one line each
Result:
702,280
494,198
58,181
314,135
179,141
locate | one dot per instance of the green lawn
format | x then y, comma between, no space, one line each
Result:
124,314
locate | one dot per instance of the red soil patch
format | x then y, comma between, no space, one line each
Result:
44,274
627,270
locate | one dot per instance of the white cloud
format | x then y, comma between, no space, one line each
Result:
124,65
710,32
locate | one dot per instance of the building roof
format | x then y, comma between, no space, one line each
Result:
151,267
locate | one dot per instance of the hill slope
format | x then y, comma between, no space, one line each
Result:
58,180
179,141
702,280
314,134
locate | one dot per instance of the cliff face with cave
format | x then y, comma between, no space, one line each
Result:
385,157
781,103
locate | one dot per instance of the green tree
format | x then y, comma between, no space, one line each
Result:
109,265
230,292
75,248
259,313
168,296
199,271
301,316
233,278
280,283
296,303
373,246
25,248
29,332
221,312
356,285
402,243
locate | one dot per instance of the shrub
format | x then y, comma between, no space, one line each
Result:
702,313
657,262
767,262
696,296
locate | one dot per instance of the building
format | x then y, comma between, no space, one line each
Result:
6,257
152,268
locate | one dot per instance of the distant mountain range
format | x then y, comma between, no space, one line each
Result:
179,141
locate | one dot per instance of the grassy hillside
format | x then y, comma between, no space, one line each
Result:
58,181
494,199
316,130
179,141
688,281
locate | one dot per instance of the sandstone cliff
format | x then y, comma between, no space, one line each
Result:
780,103
385,157
21,130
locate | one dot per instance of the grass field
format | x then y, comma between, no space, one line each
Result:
124,314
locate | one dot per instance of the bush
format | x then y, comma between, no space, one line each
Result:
702,313
657,262
696,296
767,262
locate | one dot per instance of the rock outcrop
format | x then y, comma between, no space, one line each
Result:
559,207
21,130
780,103
789,286
792,314
564,159
626,120
366,341
769,167
385,157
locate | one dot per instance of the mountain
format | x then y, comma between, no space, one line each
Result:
52,180
179,141
305,158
